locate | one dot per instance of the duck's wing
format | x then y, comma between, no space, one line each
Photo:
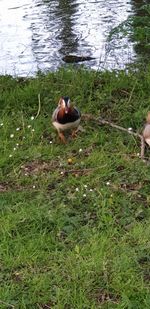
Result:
54,115
77,112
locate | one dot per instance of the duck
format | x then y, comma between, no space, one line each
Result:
66,117
146,131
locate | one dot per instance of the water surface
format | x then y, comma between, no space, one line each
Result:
36,34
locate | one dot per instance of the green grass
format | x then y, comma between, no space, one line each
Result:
74,236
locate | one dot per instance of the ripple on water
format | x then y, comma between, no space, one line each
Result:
37,34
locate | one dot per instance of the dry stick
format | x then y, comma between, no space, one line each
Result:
130,97
102,121
84,170
23,125
39,107
45,306
7,304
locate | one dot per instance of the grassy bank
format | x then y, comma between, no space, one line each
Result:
74,236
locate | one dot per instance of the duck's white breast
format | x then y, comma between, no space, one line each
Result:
66,126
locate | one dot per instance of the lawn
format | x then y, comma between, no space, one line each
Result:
75,218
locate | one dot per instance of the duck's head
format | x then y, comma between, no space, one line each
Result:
64,104
148,118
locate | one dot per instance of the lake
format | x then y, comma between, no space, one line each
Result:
36,34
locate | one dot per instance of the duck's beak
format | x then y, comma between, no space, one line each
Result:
66,110
66,104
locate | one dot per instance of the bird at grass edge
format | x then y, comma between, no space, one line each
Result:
66,117
146,131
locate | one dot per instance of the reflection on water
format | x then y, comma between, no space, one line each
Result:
65,12
35,34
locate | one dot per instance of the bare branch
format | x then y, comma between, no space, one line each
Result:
103,121
7,304
39,107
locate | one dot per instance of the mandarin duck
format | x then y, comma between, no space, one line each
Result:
146,131
66,117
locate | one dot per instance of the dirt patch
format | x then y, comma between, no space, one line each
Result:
131,186
48,305
4,186
37,166
103,296
121,93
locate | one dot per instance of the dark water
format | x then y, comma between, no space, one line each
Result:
36,34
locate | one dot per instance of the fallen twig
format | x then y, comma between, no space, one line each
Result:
23,125
103,121
83,170
44,306
39,107
132,92
7,304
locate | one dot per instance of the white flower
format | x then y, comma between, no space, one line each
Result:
26,174
33,130
32,117
61,173
84,195
17,145
77,189
138,154
91,190
23,137
14,148
11,135
17,129
33,187
29,126
85,186
129,129
10,155
1,124
50,142
108,183
80,150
